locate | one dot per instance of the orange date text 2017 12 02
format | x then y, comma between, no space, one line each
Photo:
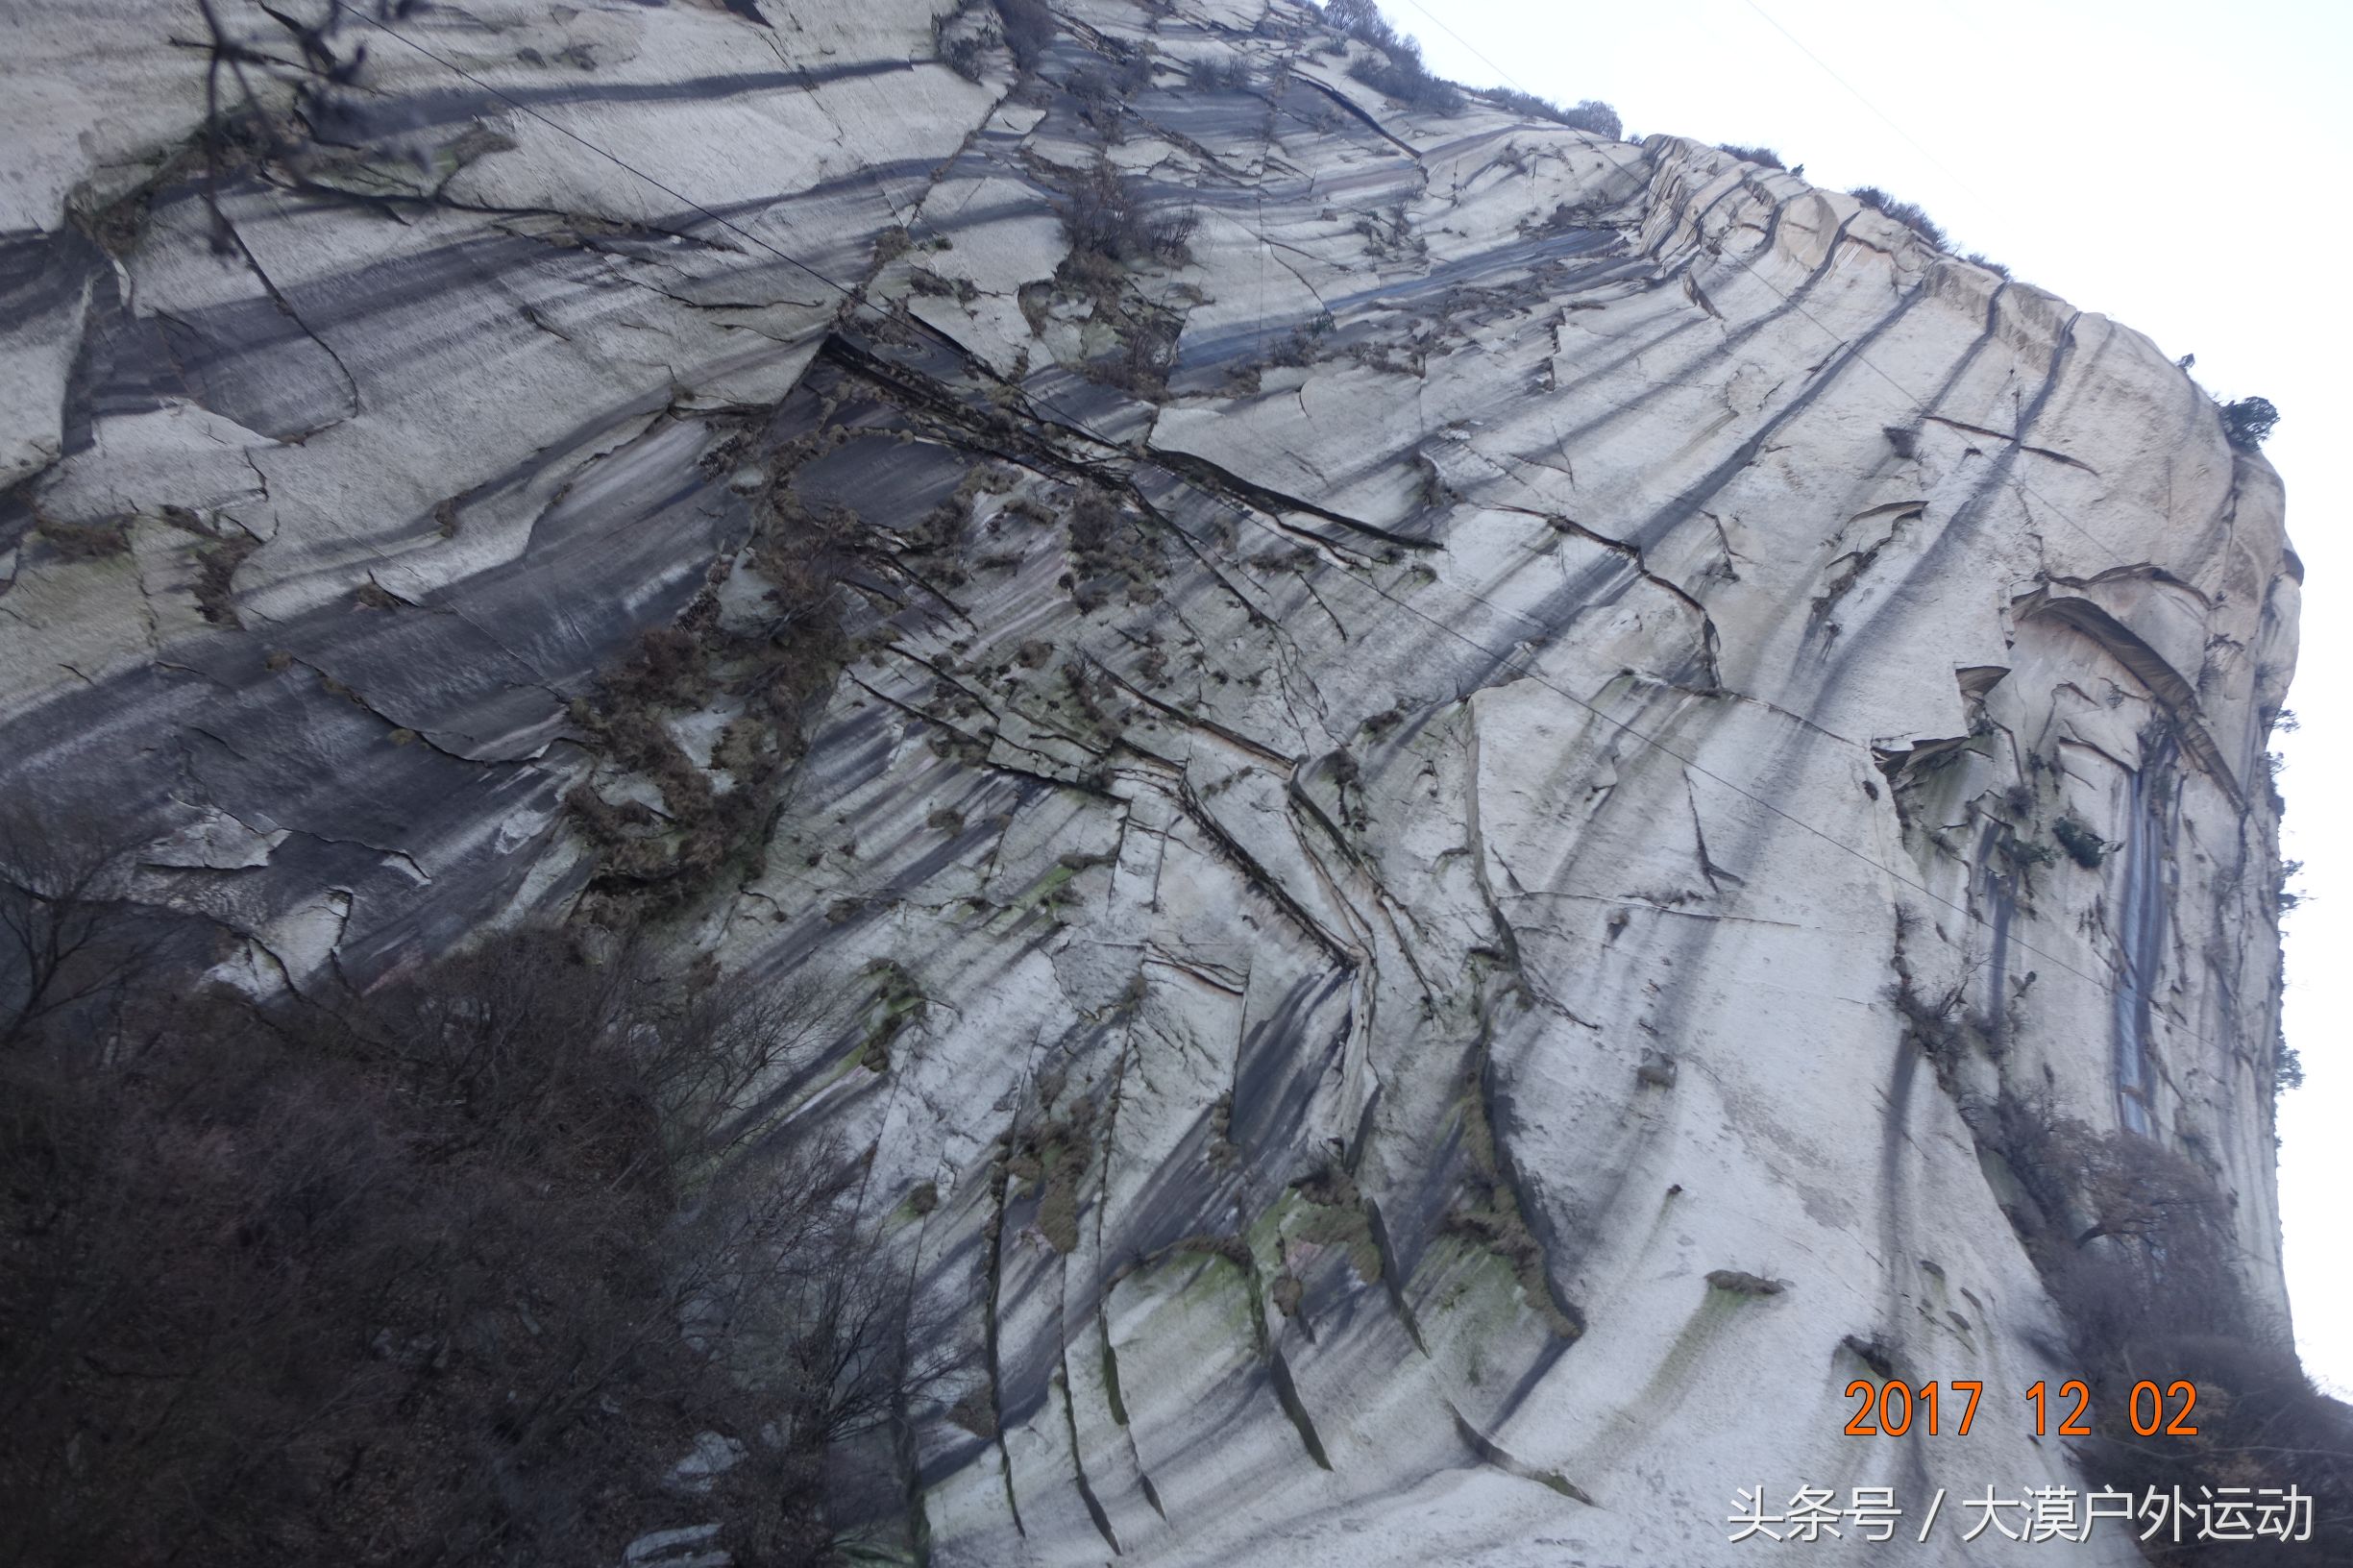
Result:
1897,1410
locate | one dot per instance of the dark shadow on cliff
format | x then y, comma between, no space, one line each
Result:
459,1271
2132,1241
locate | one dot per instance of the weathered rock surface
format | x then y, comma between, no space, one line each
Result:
1394,784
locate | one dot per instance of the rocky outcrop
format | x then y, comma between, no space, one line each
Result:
1407,742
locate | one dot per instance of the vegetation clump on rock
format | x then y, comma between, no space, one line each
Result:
1222,73
1487,1211
1910,214
1400,72
2249,422
770,669
2087,848
1106,218
86,540
2133,1241
1589,114
450,1271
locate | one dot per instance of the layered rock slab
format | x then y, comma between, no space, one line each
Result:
1391,770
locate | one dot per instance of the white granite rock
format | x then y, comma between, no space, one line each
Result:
1369,922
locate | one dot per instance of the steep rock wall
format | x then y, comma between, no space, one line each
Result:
1396,780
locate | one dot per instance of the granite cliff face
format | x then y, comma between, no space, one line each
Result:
1400,735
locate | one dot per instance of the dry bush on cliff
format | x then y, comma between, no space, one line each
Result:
1908,214
2249,422
67,941
1222,73
1589,114
1400,73
1105,217
449,1274
2132,1241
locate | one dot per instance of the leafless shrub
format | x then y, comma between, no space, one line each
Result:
1105,85
1404,77
278,83
2130,1234
67,940
1908,214
719,1050
1101,103
1933,1023
1104,216
1593,115
1139,366
1400,73
1589,114
452,1273
1223,73
1168,234
2133,1241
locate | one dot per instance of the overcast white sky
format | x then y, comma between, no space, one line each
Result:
2174,165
